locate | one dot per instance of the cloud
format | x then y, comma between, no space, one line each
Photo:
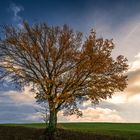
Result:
16,9
127,107
23,97
93,115
15,117
18,106
18,97
22,106
117,99
135,65
34,117
133,87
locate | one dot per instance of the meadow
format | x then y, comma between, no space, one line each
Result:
117,131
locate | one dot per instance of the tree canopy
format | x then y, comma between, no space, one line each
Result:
63,68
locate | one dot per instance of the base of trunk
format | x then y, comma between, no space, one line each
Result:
52,125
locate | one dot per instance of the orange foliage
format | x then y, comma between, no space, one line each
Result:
62,67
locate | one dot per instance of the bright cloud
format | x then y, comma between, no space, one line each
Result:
94,115
135,65
117,99
22,97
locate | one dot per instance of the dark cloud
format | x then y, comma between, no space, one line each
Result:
8,117
11,117
17,107
10,113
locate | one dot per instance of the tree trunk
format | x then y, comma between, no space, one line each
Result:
52,124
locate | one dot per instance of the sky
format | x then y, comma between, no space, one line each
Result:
117,19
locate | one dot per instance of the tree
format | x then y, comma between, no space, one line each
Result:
64,69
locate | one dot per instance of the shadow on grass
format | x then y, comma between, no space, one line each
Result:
24,133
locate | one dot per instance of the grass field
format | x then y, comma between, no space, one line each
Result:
116,129
130,131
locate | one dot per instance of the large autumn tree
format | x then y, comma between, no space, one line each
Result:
64,68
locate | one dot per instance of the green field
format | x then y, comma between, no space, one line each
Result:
117,129
122,130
